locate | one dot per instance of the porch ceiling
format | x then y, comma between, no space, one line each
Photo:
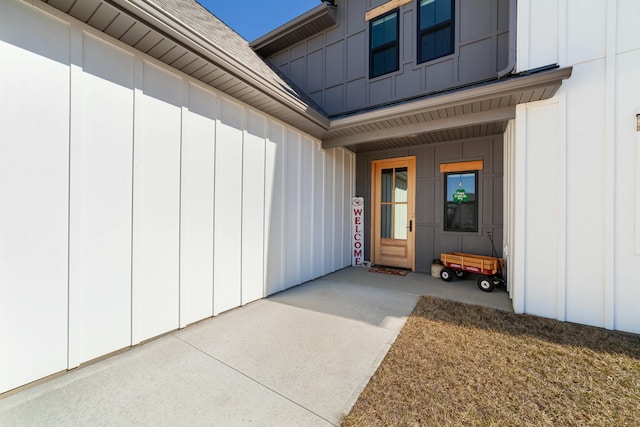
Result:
476,111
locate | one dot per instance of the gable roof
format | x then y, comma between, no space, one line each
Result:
187,37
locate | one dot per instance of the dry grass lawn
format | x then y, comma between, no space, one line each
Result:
458,364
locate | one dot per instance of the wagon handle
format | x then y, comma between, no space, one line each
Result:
494,253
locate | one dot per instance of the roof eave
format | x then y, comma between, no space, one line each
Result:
452,98
183,34
298,29
347,131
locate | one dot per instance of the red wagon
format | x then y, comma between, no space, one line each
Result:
458,264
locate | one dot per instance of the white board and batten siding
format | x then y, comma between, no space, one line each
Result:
136,201
575,218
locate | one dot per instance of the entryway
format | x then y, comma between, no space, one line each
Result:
393,212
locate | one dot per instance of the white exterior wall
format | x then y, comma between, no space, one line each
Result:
575,223
136,201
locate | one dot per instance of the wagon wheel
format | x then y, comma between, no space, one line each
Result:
446,274
485,284
460,274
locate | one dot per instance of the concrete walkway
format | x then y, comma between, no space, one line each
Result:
298,358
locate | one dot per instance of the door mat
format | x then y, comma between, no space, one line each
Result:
385,270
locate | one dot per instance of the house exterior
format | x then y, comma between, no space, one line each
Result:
156,169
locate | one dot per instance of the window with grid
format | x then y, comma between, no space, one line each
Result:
435,29
384,46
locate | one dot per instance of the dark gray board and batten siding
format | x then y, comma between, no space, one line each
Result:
333,66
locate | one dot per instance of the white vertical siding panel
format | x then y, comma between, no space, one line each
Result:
586,30
228,208
541,210
349,191
627,28
274,209
318,210
101,191
585,184
338,201
330,219
253,209
156,229
307,242
537,42
627,200
196,217
519,213
34,170
292,209
508,216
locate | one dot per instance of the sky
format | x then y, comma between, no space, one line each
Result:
254,18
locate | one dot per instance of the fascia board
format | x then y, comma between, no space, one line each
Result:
302,20
506,113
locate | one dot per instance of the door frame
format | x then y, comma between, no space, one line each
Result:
411,215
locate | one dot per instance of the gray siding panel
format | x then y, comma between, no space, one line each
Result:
481,50
314,71
477,18
356,94
380,90
477,61
356,56
335,99
408,81
335,67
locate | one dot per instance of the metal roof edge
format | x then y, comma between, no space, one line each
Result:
276,34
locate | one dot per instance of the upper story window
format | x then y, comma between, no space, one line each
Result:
384,46
435,29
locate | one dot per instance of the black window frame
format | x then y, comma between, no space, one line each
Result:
450,23
387,46
475,203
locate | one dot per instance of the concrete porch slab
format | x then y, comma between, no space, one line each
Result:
300,357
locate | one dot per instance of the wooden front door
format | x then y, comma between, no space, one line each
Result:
393,212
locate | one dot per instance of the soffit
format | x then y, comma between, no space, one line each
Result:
475,111
185,36
316,20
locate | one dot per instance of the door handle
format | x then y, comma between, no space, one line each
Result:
410,225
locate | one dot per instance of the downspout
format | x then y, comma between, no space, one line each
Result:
511,65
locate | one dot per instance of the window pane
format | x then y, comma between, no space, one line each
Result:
400,221
461,217
443,10
385,221
401,185
466,181
443,45
436,44
427,13
384,61
434,12
387,185
384,30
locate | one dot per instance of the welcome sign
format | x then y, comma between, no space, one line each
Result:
357,231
